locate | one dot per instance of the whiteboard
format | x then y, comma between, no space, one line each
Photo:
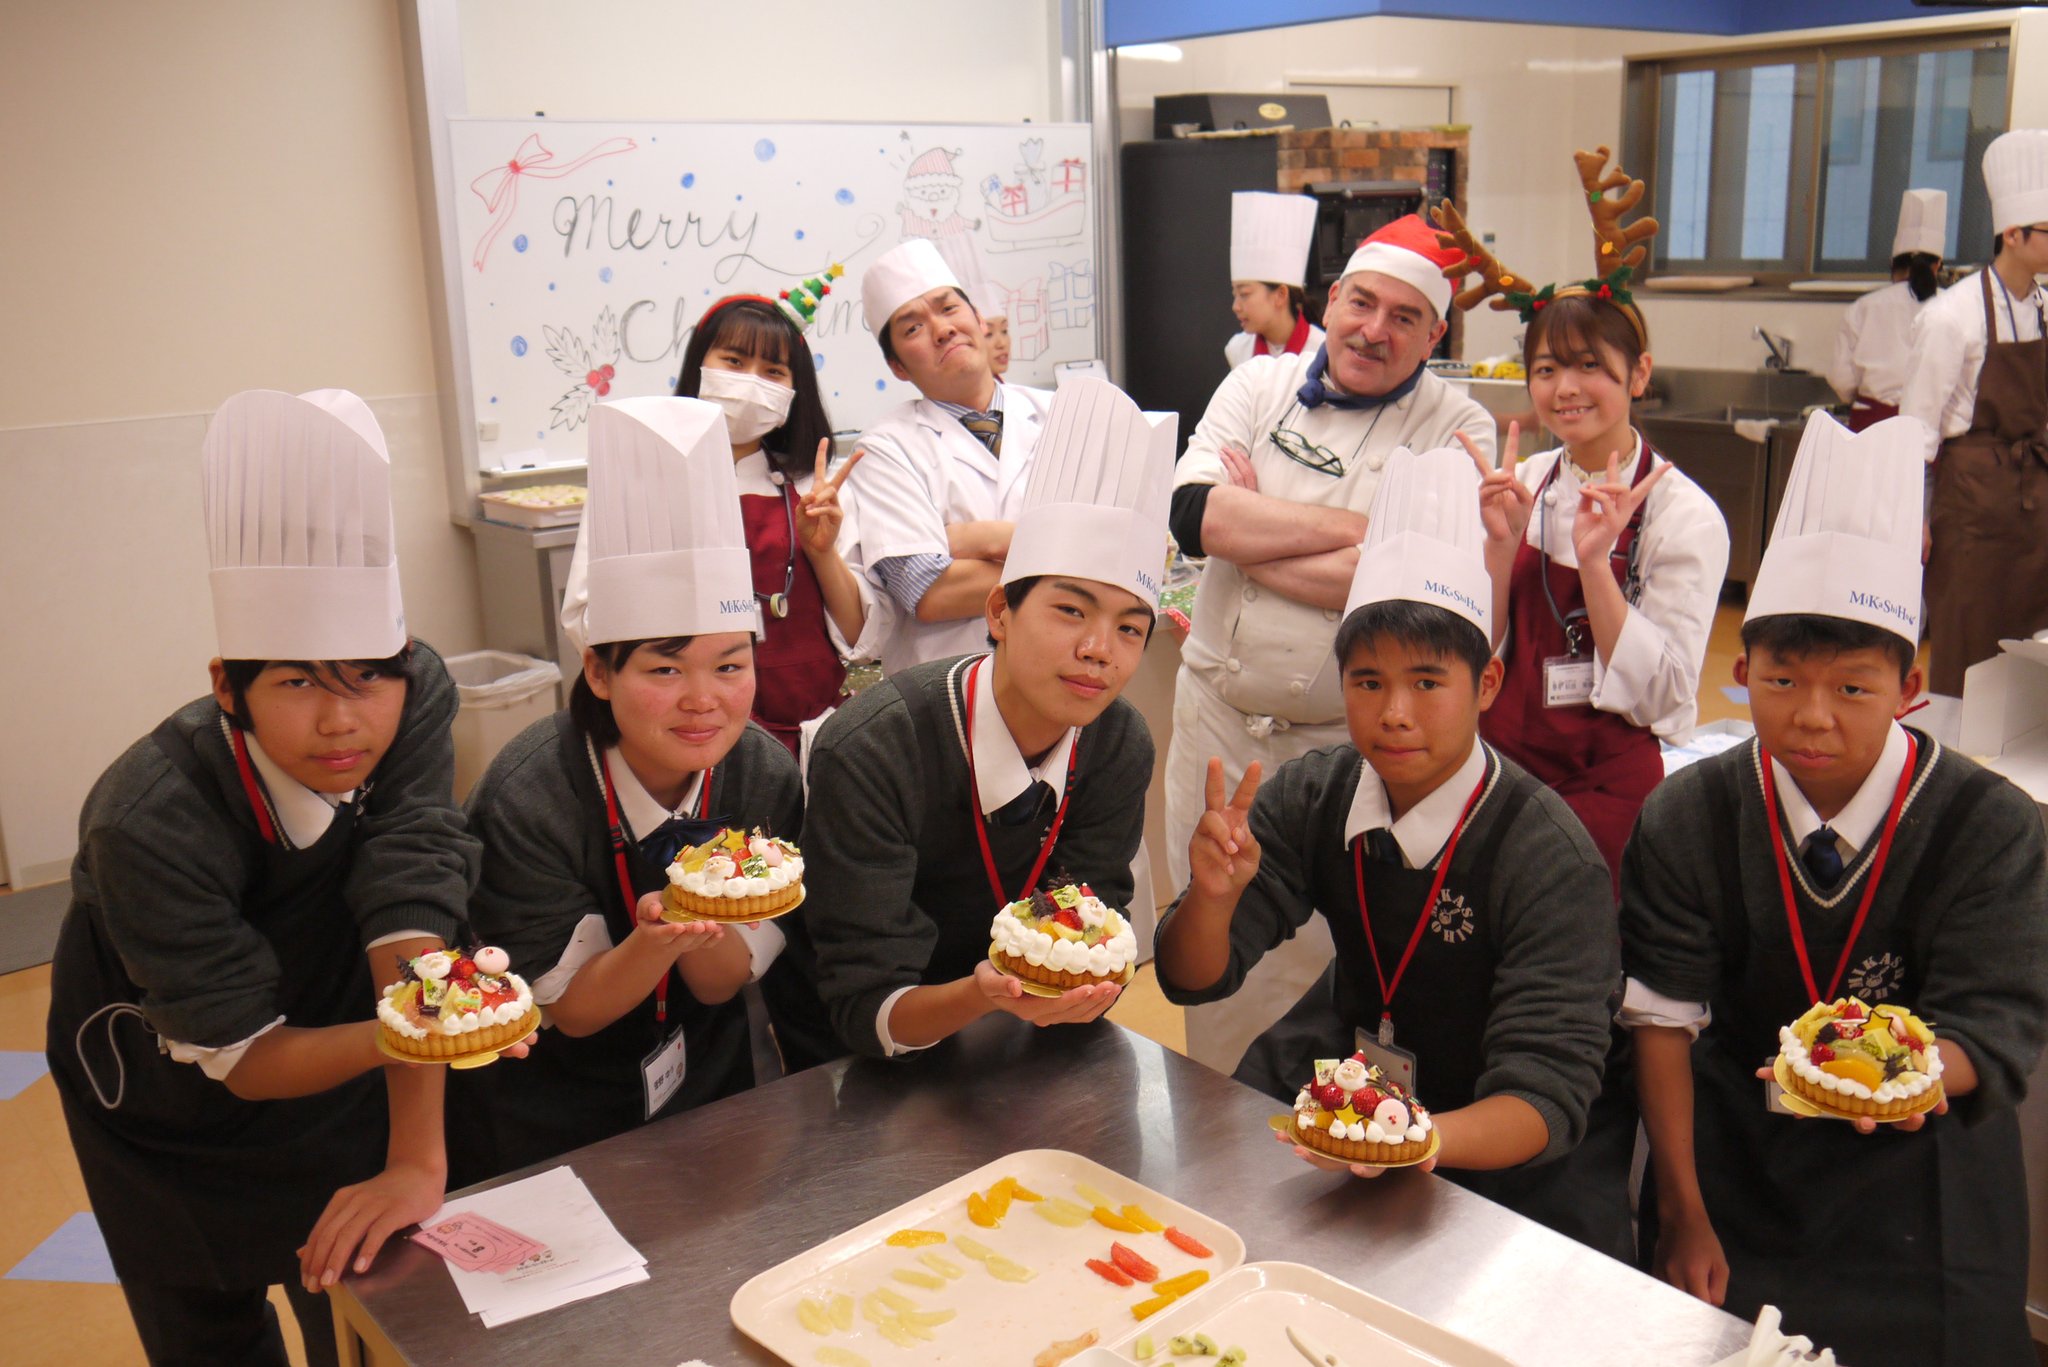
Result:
590,249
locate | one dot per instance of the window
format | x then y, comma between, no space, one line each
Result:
1788,163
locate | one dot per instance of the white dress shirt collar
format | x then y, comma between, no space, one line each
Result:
303,814
1860,819
1428,824
1000,773
641,812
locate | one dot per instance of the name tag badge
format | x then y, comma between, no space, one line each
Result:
661,1073
1381,1051
1567,681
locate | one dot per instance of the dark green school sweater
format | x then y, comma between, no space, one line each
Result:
897,895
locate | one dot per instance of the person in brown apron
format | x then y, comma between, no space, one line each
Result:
1874,344
1604,603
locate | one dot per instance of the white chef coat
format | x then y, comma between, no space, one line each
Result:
1948,352
922,472
1874,345
1244,346
1652,678
1258,679
757,480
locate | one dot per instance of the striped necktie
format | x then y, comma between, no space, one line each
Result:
987,428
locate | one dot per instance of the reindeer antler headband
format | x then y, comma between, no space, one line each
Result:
1618,249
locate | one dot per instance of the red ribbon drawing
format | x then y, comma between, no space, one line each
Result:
498,187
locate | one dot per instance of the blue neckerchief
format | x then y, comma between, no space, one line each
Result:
661,845
1313,394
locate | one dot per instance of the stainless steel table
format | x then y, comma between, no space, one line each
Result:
719,1194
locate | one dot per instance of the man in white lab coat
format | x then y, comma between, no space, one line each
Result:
943,478
1274,489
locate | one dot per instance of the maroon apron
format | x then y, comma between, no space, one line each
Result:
1602,765
797,671
1869,412
1988,575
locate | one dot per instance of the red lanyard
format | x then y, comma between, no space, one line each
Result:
988,859
618,834
1388,986
1884,849
249,785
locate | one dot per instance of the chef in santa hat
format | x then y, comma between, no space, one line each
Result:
1273,489
1979,381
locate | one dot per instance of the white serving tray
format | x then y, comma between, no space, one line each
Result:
998,1322
1255,1306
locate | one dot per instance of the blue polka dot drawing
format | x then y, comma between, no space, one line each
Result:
844,196
518,349
604,274
764,150
817,360
689,179
799,234
519,243
881,384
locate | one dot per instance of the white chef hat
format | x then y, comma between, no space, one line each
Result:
1424,542
1270,236
963,258
1847,542
899,275
1923,223
1096,500
668,549
2016,174
299,529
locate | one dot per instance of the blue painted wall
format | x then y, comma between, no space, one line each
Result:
1158,21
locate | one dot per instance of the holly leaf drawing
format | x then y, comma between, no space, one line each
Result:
567,351
604,338
572,408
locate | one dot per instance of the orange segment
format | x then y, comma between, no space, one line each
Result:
1137,1216
1855,1068
979,1212
1181,1285
915,1238
1109,1219
1144,1309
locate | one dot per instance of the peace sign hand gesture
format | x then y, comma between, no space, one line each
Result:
1605,508
818,514
1505,503
1223,856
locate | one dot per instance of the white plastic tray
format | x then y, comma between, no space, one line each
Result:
1255,1306
997,1322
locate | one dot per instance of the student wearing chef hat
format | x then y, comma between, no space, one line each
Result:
583,813
1273,489
249,875
1269,241
953,788
1875,340
1839,854
1475,933
1978,380
943,477
963,257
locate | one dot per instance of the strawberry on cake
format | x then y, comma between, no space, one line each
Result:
734,876
451,1004
1062,937
1854,1059
1354,1112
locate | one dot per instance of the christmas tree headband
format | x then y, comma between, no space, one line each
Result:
799,303
1618,250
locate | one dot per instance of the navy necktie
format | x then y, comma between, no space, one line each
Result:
1822,858
1023,808
661,845
1382,847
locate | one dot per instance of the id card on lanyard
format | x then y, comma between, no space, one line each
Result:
661,1072
1773,1093
1378,1046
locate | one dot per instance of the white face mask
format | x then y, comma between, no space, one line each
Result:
753,406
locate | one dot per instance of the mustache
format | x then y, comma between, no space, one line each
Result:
1371,351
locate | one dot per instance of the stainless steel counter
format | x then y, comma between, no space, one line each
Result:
717,1195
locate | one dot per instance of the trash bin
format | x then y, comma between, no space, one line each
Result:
502,694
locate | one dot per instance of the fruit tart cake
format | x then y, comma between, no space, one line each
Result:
1354,1112
452,1003
1856,1059
735,876
1063,936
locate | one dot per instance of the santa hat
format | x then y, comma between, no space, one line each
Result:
936,164
1424,542
1408,250
2016,174
1847,543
